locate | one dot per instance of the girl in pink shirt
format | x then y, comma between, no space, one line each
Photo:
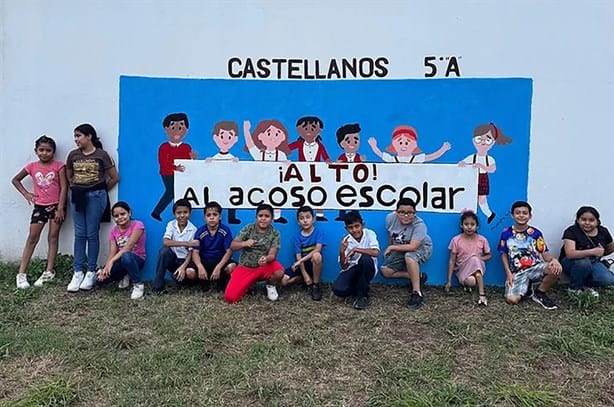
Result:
126,251
468,253
49,200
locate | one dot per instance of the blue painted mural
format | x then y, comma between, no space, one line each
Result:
480,124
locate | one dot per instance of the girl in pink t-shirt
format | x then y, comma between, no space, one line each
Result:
49,200
468,253
126,251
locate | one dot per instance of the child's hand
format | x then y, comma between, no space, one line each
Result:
555,267
193,154
295,265
193,243
216,273
59,216
387,251
598,251
104,273
30,197
179,274
509,281
262,260
344,243
446,287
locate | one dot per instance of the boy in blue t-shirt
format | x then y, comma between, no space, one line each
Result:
308,244
526,259
211,258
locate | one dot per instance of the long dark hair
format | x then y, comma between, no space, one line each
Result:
88,129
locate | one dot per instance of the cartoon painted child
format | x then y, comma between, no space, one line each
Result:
405,145
348,138
176,127
269,142
225,136
309,145
485,136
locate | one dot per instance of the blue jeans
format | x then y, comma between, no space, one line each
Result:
129,263
355,280
87,227
581,270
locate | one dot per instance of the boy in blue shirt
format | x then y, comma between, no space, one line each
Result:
308,244
175,254
212,256
526,260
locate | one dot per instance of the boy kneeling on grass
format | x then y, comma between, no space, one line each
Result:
526,260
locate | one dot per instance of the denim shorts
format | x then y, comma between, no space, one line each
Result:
523,278
396,260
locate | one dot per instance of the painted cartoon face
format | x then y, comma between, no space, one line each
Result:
588,222
469,226
484,142
264,218
305,220
309,131
182,214
212,217
521,215
83,142
225,139
406,214
44,152
176,131
404,145
350,143
356,230
272,138
121,217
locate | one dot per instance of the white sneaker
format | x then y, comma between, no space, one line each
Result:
124,282
137,291
22,281
592,292
88,282
45,277
271,292
74,284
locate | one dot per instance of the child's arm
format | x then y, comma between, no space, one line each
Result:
113,178
412,246
202,273
238,244
373,143
451,263
270,256
486,256
343,259
60,213
180,272
433,156
16,181
370,251
509,277
553,263
132,241
572,253
218,268
106,271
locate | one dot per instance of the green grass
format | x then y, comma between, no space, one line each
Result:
190,348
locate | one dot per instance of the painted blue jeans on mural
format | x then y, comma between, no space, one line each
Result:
87,227
167,196
579,271
129,263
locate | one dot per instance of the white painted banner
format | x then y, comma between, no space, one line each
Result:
444,188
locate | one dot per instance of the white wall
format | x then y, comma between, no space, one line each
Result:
60,62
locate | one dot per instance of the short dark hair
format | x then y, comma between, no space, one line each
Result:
264,207
213,205
521,204
352,217
182,202
308,120
176,117
305,208
406,202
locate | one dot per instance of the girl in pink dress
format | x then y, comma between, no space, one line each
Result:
49,200
468,253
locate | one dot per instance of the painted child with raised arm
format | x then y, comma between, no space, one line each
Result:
526,260
212,257
175,254
259,243
358,253
468,253
308,244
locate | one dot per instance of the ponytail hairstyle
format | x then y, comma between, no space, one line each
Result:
89,130
45,140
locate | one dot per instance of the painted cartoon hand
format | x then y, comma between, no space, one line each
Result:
179,168
246,125
446,146
372,142
462,164
234,160
209,160
193,154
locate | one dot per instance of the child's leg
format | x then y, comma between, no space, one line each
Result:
479,280
364,275
191,274
394,266
240,280
286,280
316,267
52,243
96,204
601,275
578,271
31,242
166,258
344,284
513,294
413,270
470,281
132,264
549,279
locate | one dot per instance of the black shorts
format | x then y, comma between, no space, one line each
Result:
42,214
209,265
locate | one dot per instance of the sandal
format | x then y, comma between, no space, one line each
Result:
466,289
482,300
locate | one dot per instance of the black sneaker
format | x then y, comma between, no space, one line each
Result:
423,278
316,292
415,300
361,303
542,299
